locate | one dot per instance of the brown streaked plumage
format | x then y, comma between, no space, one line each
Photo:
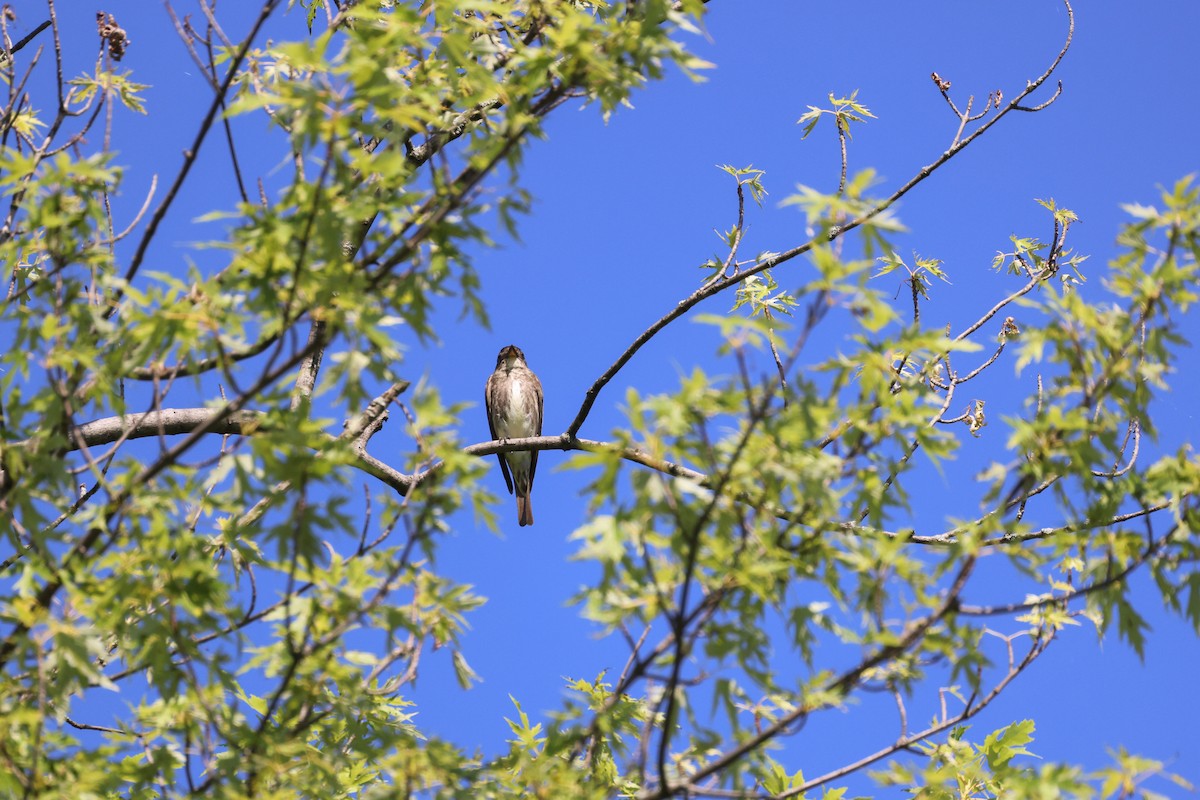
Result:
513,398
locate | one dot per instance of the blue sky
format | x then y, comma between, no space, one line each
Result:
625,211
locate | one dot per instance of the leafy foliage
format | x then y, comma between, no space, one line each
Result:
754,533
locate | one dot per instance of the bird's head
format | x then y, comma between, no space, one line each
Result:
509,357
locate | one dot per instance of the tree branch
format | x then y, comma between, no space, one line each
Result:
24,40
709,290
178,421
835,687
191,154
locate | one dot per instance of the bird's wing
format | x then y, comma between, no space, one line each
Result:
537,425
488,405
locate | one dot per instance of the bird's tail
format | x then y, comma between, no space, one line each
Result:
524,510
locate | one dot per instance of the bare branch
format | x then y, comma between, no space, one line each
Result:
24,40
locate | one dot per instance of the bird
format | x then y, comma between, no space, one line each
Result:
513,398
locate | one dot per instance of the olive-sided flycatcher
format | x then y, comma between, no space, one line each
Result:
514,408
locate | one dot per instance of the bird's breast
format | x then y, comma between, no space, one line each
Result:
515,419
